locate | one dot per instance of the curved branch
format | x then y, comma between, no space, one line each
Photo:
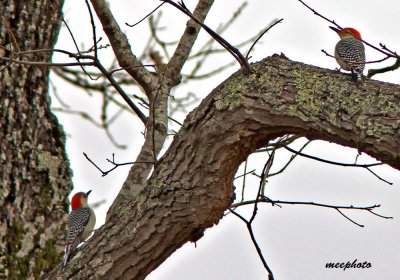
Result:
191,186
395,66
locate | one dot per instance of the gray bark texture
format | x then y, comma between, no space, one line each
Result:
191,186
35,178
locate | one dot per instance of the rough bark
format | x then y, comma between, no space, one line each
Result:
35,176
191,187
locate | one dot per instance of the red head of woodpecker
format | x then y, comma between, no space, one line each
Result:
81,222
350,52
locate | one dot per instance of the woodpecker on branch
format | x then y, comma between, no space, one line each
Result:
81,222
350,52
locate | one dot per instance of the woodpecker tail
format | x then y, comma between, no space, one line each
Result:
357,76
68,252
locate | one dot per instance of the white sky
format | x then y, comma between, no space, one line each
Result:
297,241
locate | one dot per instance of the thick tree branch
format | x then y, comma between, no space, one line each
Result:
191,186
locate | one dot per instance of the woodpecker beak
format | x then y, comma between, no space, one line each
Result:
334,29
87,194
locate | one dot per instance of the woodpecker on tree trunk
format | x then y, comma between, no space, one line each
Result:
350,52
81,223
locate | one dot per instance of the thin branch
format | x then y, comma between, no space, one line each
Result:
378,215
290,160
244,178
146,16
265,199
231,49
383,46
207,49
354,222
130,67
261,188
266,170
77,48
116,165
72,36
366,166
253,239
379,177
49,64
93,29
98,168
338,208
282,142
245,173
333,162
121,92
274,22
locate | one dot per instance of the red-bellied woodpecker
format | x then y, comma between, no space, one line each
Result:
81,222
350,52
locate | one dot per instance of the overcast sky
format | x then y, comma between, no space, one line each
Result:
297,241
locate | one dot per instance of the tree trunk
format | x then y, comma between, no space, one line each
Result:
191,186
35,175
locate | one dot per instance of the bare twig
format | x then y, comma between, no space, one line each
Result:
379,177
93,29
49,64
290,160
146,16
253,239
266,170
116,165
72,36
366,166
231,49
333,162
272,24
264,199
354,222
119,89
383,46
